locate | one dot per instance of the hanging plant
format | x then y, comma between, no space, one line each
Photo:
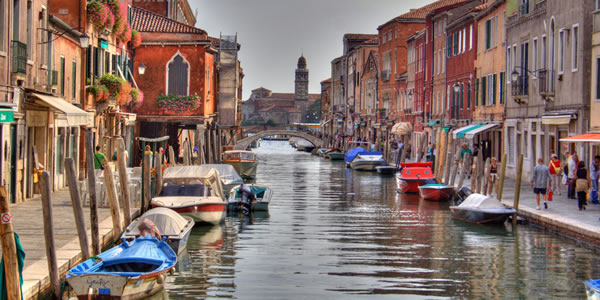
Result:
124,93
98,13
125,36
136,39
110,20
176,103
99,92
113,83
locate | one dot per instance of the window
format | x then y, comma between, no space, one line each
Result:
489,34
502,87
535,57
464,40
597,4
88,65
508,61
43,35
106,62
395,59
483,90
455,44
16,14
524,67
96,62
2,26
469,95
62,76
544,52
597,78
494,78
552,47
471,37
30,30
575,39
511,145
449,45
561,49
479,39
74,81
462,96
477,91
389,35
178,72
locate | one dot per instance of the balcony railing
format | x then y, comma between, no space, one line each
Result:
546,82
520,88
19,58
53,77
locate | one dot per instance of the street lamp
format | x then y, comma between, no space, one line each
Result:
456,87
141,69
84,40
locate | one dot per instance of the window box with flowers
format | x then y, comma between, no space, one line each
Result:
176,103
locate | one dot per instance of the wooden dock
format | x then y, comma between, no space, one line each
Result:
28,223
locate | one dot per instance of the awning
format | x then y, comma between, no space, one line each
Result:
432,123
460,133
402,128
583,138
471,133
558,119
74,115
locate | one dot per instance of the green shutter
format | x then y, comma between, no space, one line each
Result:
88,65
96,60
462,96
74,80
469,95
488,34
449,46
62,76
483,90
476,91
502,84
494,82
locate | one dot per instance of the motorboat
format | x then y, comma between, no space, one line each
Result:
192,191
304,145
243,161
132,270
351,154
592,289
229,176
436,192
335,154
386,170
367,161
480,209
322,151
172,226
413,175
262,192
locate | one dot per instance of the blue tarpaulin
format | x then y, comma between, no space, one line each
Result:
352,153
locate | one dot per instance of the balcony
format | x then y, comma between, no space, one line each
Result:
546,83
19,58
520,88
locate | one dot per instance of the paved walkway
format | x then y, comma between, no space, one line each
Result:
28,224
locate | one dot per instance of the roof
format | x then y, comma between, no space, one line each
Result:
326,80
360,36
419,14
147,21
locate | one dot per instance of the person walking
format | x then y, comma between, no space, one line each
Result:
556,173
99,157
582,184
571,169
493,176
594,172
540,181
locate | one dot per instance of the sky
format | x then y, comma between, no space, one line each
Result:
274,33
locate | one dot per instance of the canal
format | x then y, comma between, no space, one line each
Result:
333,233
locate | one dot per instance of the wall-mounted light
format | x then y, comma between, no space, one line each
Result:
141,69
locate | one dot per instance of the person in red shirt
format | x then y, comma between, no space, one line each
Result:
556,173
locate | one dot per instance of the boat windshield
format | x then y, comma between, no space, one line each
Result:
247,156
172,190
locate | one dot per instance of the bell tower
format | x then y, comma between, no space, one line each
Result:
301,87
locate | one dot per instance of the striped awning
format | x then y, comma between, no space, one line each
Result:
583,138
468,132
460,133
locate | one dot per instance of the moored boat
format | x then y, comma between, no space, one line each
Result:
262,192
132,270
367,161
304,145
413,175
335,155
386,170
193,193
243,161
228,174
171,225
592,289
436,192
481,209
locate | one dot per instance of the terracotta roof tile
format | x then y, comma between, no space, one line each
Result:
360,36
147,21
421,13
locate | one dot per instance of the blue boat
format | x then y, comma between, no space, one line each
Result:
592,289
360,159
132,270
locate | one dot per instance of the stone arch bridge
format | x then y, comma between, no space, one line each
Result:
243,143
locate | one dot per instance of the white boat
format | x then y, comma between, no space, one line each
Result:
367,161
192,191
263,197
481,209
172,226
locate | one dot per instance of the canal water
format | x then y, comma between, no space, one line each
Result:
334,233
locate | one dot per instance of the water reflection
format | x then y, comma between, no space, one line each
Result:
336,233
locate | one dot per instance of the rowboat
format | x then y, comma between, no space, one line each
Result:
172,226
592,289
263,197
436,192
481,209
192,191
367,161
132,270
413,175
243,161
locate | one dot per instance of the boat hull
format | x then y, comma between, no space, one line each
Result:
435,194
336,155
101,286
366,165
209,213
481,216
386,170
246,169
410,185
256,206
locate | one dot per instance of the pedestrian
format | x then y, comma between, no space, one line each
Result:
582,184
556,173
594,172
430,156
572,169
540,182
465,149
493,176
99,157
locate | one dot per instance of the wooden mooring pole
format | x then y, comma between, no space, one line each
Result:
146,181
123,181
91,180
158,168
486,177
49,233
502,175
9,249
465,169
77,208
113,201
518,188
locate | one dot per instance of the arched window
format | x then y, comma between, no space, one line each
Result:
552,43
178,76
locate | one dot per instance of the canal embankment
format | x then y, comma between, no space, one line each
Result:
28,223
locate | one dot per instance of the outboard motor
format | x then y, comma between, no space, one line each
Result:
461,195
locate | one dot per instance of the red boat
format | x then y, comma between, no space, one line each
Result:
413,175
436,192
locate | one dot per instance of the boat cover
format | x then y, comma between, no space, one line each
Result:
481,201
227,173
169,222
436,186
181,175
352,153
258,190
370,156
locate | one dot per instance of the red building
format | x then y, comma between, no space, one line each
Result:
461,53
